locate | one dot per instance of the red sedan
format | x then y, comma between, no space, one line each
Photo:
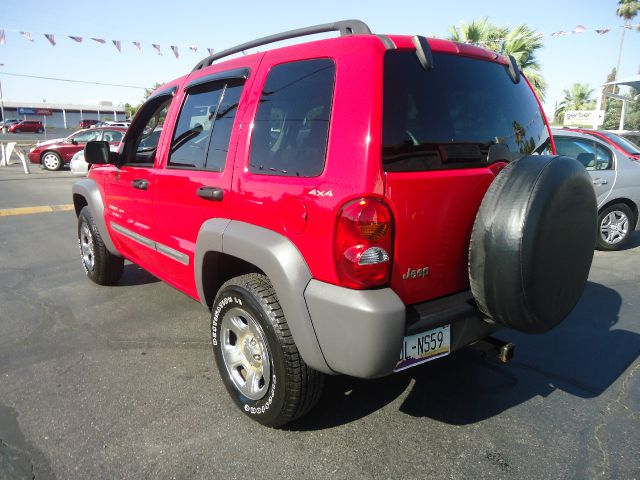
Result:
55,153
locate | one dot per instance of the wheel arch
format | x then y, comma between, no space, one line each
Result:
86,193
228,248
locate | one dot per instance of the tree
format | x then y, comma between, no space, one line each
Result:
130,111
578,98
627,9
521,42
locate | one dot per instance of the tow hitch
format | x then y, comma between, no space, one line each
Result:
493,347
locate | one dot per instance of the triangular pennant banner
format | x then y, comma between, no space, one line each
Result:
210,50
51,39
579,29
2,39
174,49
75,39
138,45
117,44
602,31
99,40
27,35
193,48
157,47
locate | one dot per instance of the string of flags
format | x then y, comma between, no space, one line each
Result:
52,39
561,33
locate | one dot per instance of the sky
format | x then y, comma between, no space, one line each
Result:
586,57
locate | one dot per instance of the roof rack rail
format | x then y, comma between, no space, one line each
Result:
345,27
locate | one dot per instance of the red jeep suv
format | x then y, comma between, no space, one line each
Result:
356,205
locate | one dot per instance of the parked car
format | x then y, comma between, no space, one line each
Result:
87,123
7,123
616,179
343,217
53,154
27,126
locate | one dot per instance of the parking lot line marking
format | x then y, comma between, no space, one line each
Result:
9,212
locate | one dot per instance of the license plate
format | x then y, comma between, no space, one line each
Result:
423,347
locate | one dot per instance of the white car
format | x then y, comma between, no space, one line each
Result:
78,164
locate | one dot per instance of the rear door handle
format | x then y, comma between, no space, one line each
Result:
210,193
600,181
140,184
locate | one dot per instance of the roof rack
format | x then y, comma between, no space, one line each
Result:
345,27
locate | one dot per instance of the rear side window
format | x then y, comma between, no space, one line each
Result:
590,154
462,113
201,139
292,123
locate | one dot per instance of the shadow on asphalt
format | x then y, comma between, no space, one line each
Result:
583,357
135,275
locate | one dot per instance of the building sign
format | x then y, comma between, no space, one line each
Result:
34,111
583,117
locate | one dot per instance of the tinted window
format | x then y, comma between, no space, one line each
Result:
452,115
292,123
191,137
221,133
584,151
626,145
201,139
604,158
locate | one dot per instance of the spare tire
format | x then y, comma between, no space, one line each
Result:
532,243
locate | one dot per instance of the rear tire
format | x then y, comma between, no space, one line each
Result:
39,130
100,265
256,356
615,226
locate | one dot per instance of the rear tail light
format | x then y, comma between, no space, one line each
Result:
364,236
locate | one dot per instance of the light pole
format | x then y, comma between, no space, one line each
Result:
4,125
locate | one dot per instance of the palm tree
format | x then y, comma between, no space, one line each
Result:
521,42
627,9
578,98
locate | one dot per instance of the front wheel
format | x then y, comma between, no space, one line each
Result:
256,356
615,227
100,265
51,161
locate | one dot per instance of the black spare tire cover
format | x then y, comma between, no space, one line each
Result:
532,242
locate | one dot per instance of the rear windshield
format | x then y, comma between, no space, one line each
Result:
462,113
626,145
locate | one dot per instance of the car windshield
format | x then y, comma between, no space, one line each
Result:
627,145
461,113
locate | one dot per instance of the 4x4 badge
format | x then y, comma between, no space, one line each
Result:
421,272
320,193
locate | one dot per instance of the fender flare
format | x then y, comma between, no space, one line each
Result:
89,190
280,260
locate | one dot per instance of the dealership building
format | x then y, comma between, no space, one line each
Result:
62,115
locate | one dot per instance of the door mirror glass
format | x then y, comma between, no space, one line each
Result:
97,153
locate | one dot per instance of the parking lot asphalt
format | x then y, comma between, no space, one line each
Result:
120,382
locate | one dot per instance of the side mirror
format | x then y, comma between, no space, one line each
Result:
98,153
74,141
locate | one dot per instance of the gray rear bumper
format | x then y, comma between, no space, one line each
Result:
361,332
